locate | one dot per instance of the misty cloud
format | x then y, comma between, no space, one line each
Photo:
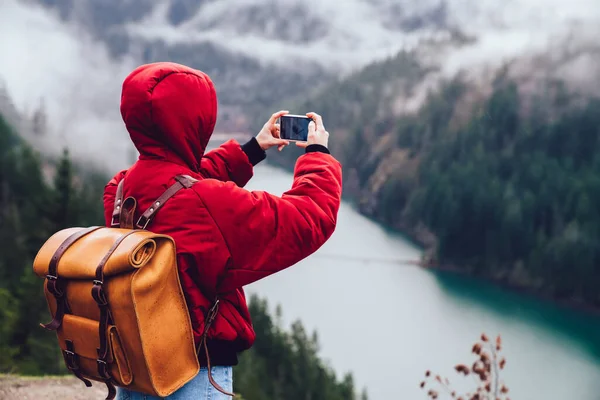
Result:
61,63
80,85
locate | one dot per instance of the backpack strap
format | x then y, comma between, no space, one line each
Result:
72,361
208,320
127,211
117,207
58,288
182,181
105,318
55,284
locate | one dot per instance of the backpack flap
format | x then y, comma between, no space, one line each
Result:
83,256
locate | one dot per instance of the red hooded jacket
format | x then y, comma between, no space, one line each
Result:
226,236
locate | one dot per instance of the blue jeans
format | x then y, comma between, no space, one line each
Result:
198,388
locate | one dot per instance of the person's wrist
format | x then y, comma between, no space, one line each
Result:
317,148
318,142
261,143
254,151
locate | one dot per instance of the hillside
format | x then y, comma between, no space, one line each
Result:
496,177
260,53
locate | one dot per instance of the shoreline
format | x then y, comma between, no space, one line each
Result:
565,303
426,242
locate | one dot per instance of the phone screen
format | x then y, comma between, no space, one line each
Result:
294,127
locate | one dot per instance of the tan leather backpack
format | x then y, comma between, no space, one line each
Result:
118,308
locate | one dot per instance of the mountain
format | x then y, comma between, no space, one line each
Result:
311,37
492,168
257,52
262,54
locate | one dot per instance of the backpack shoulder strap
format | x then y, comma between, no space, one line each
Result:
117,207
182,181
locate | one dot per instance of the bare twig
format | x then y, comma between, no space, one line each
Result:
485,372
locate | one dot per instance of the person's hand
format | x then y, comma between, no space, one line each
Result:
316,132
269,134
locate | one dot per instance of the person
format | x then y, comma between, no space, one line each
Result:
226,236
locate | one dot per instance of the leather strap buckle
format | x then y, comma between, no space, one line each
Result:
56,286
99,296
72,360
103,370
142,222
114,221
210,316
181,181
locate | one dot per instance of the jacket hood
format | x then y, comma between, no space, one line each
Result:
170,112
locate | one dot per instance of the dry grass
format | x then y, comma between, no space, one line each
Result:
485,371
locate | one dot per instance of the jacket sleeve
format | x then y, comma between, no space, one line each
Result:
265,233
110,192
232,162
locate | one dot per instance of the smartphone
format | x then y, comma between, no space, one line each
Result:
294,127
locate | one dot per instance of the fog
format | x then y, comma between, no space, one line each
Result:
59,64
45,59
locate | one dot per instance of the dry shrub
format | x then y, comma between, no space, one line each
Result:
485,372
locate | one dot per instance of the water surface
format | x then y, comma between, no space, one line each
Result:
389,322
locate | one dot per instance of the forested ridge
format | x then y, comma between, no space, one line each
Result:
502,185
34,205
513,196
